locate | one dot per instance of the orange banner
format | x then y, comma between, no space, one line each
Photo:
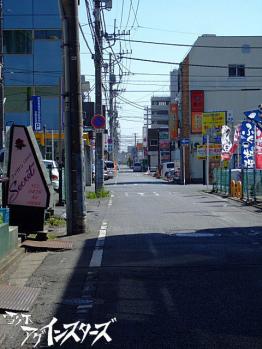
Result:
196,122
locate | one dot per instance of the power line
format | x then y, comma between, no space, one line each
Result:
135,13
83,35
189,45
186,64
131,103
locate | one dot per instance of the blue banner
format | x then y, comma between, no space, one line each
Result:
247,140
36,111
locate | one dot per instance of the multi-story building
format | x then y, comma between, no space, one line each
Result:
32,61
160,112
220,73
159,123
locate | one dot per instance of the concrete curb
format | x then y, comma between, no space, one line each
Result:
10,259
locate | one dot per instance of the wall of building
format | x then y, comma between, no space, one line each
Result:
221,91
32,60
160,112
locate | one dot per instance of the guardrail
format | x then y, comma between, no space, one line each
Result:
244,184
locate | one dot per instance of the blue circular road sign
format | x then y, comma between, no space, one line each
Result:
98,121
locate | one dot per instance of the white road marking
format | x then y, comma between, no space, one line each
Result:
83,306
97,255
96,259
102,233
112,195
156,194
126,194
196,235
142,194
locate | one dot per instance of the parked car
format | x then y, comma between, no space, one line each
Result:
52,168
166,167
106,173
137,167
110,168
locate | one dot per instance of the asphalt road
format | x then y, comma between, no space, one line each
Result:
180,268
173,266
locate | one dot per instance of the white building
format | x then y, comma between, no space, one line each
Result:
228,69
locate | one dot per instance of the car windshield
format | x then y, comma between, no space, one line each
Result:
109,164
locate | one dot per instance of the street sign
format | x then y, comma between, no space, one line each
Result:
98,121
184,141
36,111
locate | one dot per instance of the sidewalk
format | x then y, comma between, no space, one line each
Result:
60,276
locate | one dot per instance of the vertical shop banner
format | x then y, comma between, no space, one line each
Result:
226,143
258,151
247,139
236,139
36,111
197,108
197,101
196,122
173,121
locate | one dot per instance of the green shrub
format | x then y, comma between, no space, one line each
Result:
55,221
102,193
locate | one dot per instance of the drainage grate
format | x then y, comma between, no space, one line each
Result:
49,244
17,298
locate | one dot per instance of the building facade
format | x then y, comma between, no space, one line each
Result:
219,74
32,61
160,112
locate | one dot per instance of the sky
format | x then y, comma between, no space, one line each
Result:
169,21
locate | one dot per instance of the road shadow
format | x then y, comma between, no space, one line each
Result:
170,291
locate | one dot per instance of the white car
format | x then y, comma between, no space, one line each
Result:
137,167
166,167
110,168
52,169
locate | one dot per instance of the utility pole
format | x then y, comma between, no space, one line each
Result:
111,97
2,119
74,152
135,159
99,147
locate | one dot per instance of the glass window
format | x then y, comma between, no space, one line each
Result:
47,91
232,70
240,70
16,99
48,34
162,112
236,70
18,41
153,142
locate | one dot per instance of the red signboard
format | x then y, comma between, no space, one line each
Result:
173,121
197,101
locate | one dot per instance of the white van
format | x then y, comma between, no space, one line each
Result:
166,167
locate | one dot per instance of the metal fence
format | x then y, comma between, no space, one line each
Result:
246,184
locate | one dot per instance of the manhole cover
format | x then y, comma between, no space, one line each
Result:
49,244
17,298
